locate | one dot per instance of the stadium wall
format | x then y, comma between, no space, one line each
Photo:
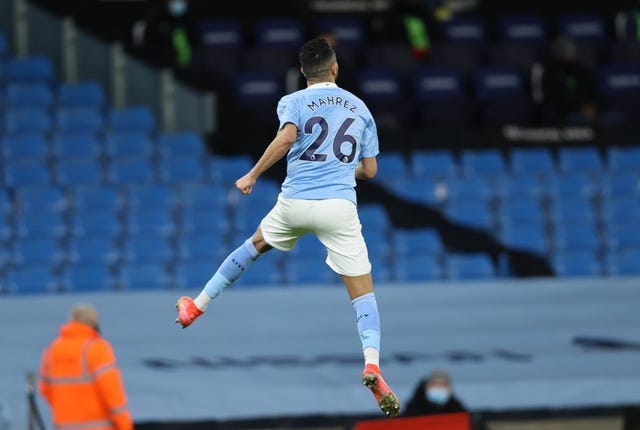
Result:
267,353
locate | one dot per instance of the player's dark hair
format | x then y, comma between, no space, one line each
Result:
316,57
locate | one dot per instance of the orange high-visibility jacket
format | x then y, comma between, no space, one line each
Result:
81,382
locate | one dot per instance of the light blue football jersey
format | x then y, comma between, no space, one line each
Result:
335,130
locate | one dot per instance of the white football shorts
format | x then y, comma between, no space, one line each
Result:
334,222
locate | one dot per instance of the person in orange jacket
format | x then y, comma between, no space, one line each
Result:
80,379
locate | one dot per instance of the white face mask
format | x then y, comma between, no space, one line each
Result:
438,395
177,7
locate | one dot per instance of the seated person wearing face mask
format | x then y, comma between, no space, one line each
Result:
434,395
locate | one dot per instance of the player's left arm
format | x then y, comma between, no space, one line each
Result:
277,149
367,168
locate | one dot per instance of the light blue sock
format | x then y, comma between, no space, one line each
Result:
368,320
231,268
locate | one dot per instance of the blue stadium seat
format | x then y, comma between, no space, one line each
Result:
308,247
195,273
470,266
147,249
420,267
221,45
31,69
623,236
467,189
620,210
258,91
25,146
132,119
248,214
87,94
624,263
229,168
130,170
150,222
404,187
277,40
465,29
619,184
4,47
151,197
584,159
279,31
473,214
519,186
521,41
520,211
382,90
576,263
36,95
503,96
97,198
185,168
204,196
74,171
373,215
98,223
38,224
129,144
221,34
266,271
392,165
76,145
394,55
348,31
572,185
28,120
6,203
487,162
571,209
531,161
407,242
32,279
148,276
88,277
582,26
79,120
589,33
619,86
41,199
206,246
94,248
525,237
38,250
26,172
297,271
439,163
181,144
623,158
440,95
6,229
576,236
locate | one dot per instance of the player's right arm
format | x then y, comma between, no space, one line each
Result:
367,168
277,149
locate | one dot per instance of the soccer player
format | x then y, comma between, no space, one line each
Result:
330,140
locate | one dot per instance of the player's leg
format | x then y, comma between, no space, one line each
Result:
274,231
228,272
338,228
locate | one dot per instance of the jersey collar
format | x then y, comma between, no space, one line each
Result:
323,85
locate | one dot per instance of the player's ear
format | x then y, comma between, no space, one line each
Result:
302,71
334,69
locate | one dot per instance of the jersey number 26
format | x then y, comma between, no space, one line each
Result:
339,140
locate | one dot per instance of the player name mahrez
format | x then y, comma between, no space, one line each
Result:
331,100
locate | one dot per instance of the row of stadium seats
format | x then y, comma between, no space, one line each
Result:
517,39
